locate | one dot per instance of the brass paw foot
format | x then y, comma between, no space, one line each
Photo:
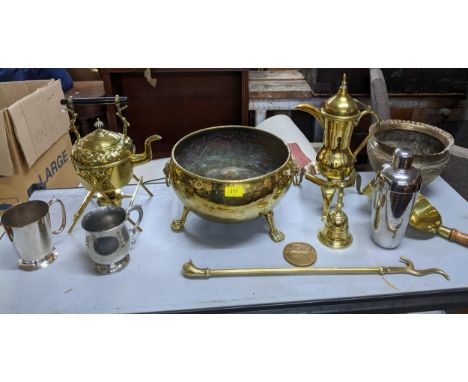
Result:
275,234
177,225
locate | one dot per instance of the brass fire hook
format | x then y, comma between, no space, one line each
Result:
409,269
190,270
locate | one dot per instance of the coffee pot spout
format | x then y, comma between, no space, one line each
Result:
146,155
312,110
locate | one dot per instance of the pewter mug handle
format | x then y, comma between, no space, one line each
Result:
133,231
64,215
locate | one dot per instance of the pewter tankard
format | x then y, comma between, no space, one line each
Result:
27,225
108,239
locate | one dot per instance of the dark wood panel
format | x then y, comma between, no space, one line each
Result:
403,81
182,101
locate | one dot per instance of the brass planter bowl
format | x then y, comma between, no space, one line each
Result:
429,144
230,174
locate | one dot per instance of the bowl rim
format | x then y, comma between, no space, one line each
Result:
233,181
420,127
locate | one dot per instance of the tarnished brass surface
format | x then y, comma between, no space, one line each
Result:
189,270
300,254
430,146
334,167
230,174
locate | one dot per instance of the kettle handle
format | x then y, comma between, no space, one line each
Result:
364,142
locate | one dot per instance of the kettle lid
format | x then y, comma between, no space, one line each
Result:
342,104
100,138
102,147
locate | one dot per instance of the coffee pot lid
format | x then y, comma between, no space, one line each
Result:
342,104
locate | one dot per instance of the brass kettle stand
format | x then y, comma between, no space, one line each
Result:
96,191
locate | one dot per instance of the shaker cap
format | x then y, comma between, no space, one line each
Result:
402,159
401,176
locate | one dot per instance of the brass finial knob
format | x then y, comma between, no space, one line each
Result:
344,84
98,124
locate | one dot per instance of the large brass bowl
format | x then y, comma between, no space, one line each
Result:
230,174
430,146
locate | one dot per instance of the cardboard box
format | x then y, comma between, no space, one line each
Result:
35,147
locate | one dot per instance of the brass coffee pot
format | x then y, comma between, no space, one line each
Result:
334,167
104,159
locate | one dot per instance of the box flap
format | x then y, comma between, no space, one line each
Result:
13,91
39,120
6,165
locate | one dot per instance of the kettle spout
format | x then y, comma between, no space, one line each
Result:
147,155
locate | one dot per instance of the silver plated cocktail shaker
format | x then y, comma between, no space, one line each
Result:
396,189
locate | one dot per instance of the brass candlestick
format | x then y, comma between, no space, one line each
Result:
335,233
334,167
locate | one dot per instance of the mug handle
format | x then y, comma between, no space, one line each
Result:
137,208
64,215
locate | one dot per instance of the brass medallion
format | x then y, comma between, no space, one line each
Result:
300,254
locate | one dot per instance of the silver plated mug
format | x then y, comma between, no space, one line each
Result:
108,238
28,227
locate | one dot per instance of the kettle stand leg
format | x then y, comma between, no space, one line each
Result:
78,213
140,180
178,224
275,234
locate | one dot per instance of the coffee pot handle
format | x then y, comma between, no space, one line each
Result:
364,142
64,215
137,208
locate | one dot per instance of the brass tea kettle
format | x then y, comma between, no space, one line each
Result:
110,151
104,159
338,117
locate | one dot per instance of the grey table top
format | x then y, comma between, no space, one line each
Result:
153,282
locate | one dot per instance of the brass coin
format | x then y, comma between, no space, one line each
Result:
300,254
